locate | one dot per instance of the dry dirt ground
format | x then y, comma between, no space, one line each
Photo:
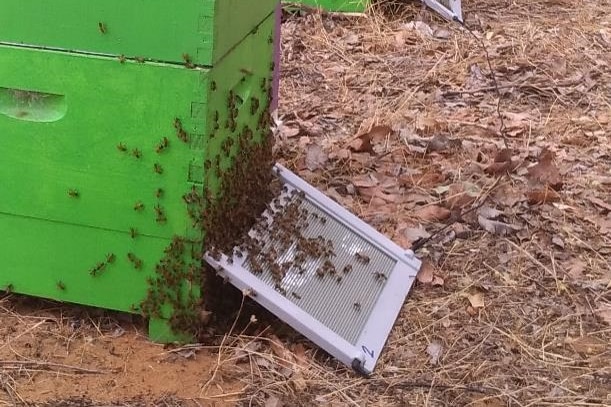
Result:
508,200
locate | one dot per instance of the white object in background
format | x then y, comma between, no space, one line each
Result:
450,9
350,320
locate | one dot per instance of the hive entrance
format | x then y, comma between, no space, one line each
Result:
323,271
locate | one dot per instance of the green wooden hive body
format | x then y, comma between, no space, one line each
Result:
159,30
352,6
107,164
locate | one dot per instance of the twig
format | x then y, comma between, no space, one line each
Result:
522,85
430,384
493,76
422,242
24,364
220,354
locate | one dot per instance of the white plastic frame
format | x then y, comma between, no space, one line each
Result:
453,12
363,356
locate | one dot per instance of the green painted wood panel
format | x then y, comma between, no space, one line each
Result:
159,30
63,116
108,104
39,257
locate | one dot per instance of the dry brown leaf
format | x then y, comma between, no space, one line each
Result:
589,345
605,226
361,145
300,355
341,154
429,125
575,269
476,300
461,194
289,132
377,192
434,350
516,123
489,402
426,180
426,273
599,202
273,401
489,212
604,312
242,354
298,382
542,195
440,142
545,172
502,163
285,357
365,181
315,157
413,234
496,227
363,142
438,281
432,213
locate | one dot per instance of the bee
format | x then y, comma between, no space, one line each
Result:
246,71
294,294
188,62
9,288
98,267
136,153
363,258
159,193
213,85
140,59
279,288
73,193
61,285
110,258
122,58
121,147
158,168
177,123
138,206
133,233
182,135
380,276
357,306
162,145
254,105
102,27
347,268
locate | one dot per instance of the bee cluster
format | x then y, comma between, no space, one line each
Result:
176,285
238,185
280,242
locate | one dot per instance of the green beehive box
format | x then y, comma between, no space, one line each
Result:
116,174
159,30
352,6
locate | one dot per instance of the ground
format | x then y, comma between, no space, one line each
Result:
501,183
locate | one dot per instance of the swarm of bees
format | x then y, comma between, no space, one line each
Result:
244,185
